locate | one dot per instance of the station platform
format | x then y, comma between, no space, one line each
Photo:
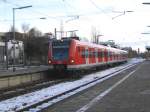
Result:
130,95
22,75
22,70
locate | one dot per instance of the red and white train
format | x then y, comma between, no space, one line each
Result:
72,54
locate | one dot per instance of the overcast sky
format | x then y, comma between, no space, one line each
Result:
102,14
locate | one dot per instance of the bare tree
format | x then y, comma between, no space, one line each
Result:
25,28
34,32
94,34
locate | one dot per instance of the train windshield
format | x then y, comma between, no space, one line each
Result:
60,49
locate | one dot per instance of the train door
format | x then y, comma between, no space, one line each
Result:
83,55
96,55
99,55
86,55
90,55
108,55
78,55
105,55
93,55
113,56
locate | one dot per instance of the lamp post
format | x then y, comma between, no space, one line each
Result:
146,3
145,33
43,18
14,39
122,13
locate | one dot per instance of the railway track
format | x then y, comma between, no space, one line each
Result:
26,88
45,103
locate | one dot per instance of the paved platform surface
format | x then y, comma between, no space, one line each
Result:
131,95
22,70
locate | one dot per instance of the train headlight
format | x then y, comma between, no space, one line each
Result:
49,61
72,61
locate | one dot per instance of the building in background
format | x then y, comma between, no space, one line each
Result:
6,50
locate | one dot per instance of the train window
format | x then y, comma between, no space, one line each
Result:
110,54
102,53
60,50
90,53
60,53
64,43
86,53
83,53
96,54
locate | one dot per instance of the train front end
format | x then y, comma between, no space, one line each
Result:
59,54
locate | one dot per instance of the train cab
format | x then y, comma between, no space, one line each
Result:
61,53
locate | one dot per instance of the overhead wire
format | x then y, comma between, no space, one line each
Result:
58,17
96,6
9,20
67,3
41,13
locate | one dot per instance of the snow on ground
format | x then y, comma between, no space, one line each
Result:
31,98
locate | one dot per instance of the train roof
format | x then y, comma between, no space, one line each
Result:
99,46
93,45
